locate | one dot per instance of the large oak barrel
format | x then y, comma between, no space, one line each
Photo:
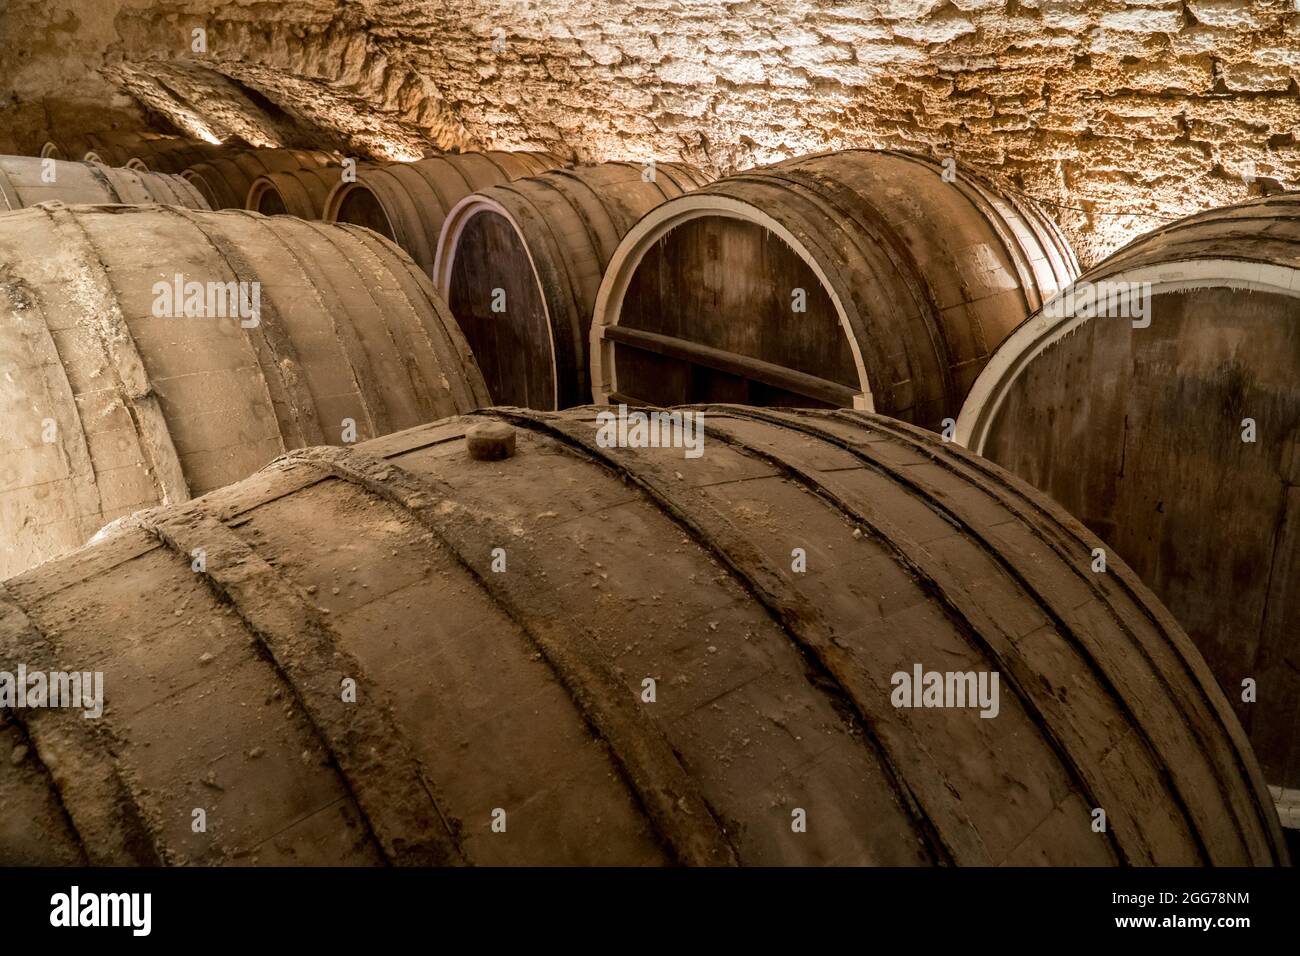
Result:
112,404
1132,413
293,192
857,278
26,180
590,653
144,151
519,265
226,181
407,202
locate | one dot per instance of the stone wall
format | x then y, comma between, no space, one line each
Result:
1118,115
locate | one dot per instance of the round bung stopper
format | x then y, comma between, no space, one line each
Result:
490,441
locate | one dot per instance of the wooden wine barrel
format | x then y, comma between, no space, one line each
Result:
584,653
114,403
23,182
293,192
226,180
519,265
1135,424
407,202
857,278
145,151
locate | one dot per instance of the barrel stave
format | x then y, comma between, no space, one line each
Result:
408,202
544,241
147,407
293,192
514,691
26,181
907,278
1135,423
227,179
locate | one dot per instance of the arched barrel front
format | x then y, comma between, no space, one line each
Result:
28,180
156,353
407,202
1157,399
872,279
526,638
293,192
226,180
519,265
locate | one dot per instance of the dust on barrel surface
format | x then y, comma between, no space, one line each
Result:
151,353
226,180
519,265
293,192
408,202
857,278
594,652
1127,401
28,180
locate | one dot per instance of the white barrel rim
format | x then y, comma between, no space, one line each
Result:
262,185
444,262
334,201
1038,332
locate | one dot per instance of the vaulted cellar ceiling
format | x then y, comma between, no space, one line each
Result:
1119,115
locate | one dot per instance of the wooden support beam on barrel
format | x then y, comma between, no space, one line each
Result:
408,653
519,265
294,192
28,180
227,180
876,276
1158,399
157,353
407,202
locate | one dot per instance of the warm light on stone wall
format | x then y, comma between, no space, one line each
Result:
1120,116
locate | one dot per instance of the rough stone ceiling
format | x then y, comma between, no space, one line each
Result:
1120,114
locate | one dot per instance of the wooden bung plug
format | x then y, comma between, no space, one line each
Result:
490,441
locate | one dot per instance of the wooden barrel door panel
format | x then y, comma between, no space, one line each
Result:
1169,425
860,278
520,264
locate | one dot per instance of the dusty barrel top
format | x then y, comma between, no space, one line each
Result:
594,652
28,180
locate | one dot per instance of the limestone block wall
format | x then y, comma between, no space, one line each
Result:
1121,115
